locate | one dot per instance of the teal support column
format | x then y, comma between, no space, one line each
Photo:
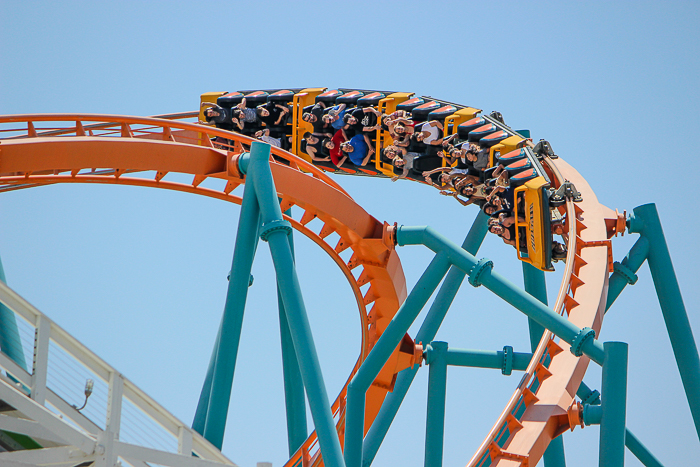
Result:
200,415
426,333
294,400
536,286
275,231
232,319
625,271
614,407
390,338
480,272
436,357
10,342
645,221
592,414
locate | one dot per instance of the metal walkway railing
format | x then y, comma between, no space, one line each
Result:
119,422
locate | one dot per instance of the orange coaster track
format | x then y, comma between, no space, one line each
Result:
76,148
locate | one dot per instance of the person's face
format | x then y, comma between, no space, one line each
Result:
312,118
352,120
330,145
346,147
211,113
471,157
399,162
327,119
420,136
444,178
264,113
400,129
467,191
489,210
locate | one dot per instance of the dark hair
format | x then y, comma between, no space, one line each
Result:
325,142
468,186
236,113
307,135
259,109
208,118
305,116
346,117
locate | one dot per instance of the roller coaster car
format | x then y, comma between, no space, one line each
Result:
388,105
535,203
536,246
533,235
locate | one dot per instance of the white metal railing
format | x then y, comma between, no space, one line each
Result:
120,421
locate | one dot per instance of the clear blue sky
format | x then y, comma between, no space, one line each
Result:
139,275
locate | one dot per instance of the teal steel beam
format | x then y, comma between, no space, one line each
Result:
232,319
439,356
200,415
480,272
588,395
275,231
380,353
640,451
436,357
10,342
536,286
645,221
593,415
625,271
590,398
426,333
614,407
294,400
499,360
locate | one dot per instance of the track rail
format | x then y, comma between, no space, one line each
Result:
88,148
125,146
537,411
